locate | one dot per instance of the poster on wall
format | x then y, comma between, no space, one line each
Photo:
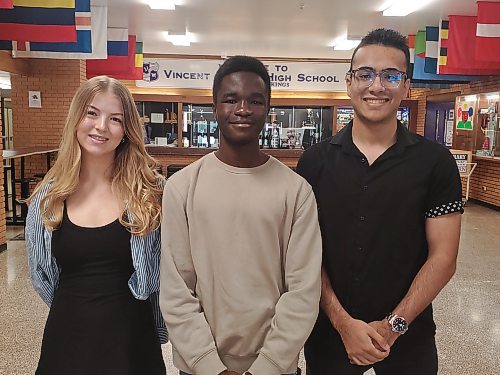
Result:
34,99
448,133
465,116
463,159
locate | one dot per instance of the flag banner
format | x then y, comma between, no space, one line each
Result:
115,66
488,31
431,49
460,49
444,26
5,45
139,59
91,44
420,74
6,4
420,45
117,42
411,46
45,3
38,24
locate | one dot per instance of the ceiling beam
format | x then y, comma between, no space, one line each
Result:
15,66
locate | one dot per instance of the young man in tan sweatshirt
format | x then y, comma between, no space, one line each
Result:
241,246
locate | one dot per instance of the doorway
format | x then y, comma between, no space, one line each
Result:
439,118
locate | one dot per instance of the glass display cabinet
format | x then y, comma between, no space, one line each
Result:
199,128
346,114
477,124
286,127
160,122
296,127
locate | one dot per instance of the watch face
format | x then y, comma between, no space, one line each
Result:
399,324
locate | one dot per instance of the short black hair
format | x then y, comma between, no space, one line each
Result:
388,38
236,64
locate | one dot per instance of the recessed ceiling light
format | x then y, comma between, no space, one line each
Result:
401,8
161,4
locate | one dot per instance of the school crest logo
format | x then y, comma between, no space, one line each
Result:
150,71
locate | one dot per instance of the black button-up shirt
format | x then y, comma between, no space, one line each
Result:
372,220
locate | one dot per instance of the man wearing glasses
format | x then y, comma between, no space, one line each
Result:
389,209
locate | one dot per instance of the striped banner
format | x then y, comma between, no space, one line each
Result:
135,73
420,45
115,66
444,26
461,42
45,3
411,46
431,49
419,73
117,42
488,31
139,59
38,24
91,44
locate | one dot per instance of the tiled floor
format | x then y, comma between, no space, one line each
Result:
467,312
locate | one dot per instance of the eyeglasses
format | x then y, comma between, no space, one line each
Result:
390,78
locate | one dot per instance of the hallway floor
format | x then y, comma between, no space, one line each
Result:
467,312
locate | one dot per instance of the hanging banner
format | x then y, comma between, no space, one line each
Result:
285,76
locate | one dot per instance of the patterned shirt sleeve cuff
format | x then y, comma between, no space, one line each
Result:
445,209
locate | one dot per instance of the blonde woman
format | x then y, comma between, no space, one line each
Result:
93,241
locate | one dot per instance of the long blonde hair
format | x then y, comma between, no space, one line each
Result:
135,179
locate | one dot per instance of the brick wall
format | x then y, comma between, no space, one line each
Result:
485,181
57,81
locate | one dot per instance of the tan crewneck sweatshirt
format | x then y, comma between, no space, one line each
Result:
240,267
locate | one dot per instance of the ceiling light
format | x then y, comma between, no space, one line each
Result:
345,44
402,8
180,39
161,4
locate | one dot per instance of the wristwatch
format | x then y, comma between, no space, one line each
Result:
398,323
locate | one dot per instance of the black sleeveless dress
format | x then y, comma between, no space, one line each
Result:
95,325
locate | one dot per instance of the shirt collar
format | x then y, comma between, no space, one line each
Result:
404,138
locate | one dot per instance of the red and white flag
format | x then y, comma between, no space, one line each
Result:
488,31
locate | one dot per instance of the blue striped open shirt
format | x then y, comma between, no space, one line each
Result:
44,271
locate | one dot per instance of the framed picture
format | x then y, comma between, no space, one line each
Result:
451,114
157,118
35,99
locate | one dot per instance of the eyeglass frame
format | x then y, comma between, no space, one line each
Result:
404,76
